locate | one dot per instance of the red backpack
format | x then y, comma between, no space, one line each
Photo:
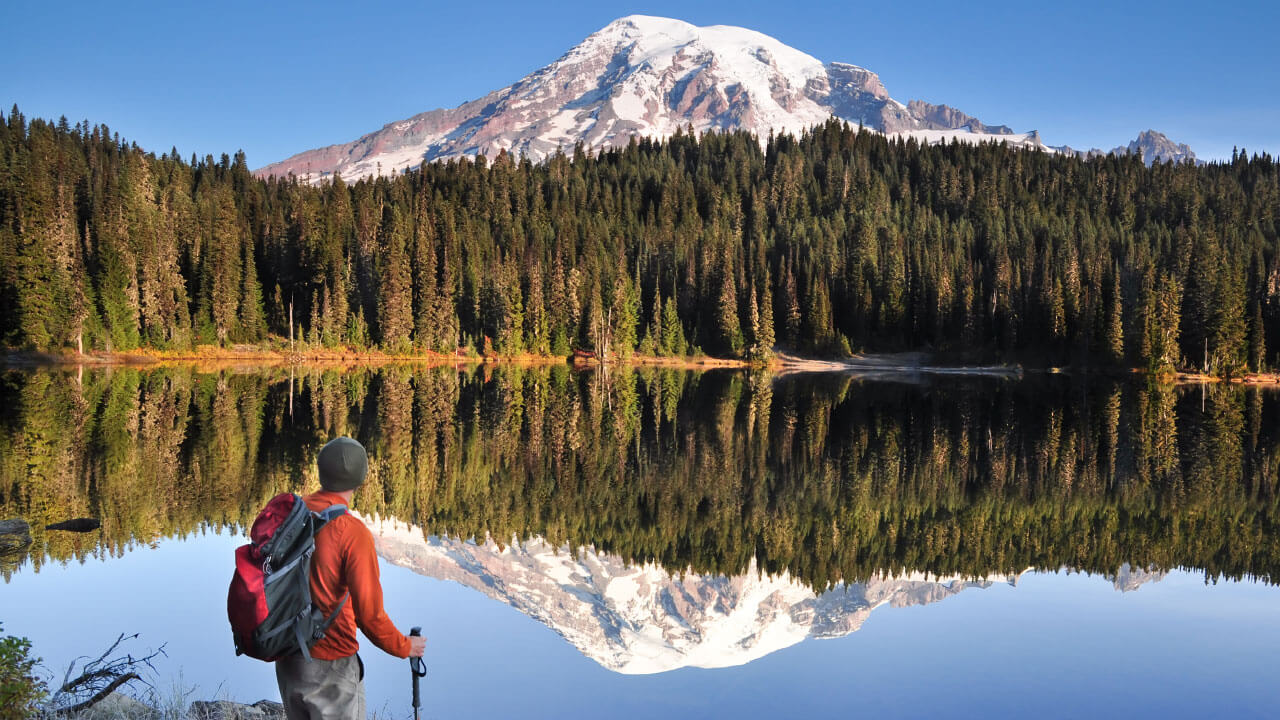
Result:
269,603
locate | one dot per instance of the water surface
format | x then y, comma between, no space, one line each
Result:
644,541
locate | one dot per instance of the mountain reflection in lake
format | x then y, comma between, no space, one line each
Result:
637,619
660,519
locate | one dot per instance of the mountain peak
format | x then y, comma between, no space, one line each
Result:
645,25
663,42
647,76
1156,147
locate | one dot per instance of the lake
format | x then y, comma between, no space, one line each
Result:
631,542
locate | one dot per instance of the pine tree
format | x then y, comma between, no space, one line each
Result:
599,324
624,315
336,258
753,319
1229,325
791,316
765,339
425,282
448,329
728,327
507,314
1164,322
1113,330
222,267
652,341
395,293
1199,312
537,333
253,326
673,339
818,328
1257,339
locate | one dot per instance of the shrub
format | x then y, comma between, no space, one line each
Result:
21,691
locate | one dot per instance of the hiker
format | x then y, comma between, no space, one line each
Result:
331,684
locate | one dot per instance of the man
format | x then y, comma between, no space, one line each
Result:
331,685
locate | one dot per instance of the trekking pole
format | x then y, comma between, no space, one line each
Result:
417,669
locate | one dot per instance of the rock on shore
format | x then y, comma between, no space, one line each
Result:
118,706
15,535
227,710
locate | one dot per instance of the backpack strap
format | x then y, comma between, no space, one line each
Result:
318,629
325,516
304,579
324,625
302,641
322,518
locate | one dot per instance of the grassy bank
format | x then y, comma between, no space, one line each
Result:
217,356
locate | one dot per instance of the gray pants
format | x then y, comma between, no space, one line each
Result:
321,689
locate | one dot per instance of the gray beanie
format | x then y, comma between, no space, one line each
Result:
343,465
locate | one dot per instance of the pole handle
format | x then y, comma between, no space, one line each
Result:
417,669
416,664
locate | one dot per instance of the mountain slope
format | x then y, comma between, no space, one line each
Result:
647,77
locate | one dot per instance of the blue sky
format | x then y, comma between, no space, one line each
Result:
274,78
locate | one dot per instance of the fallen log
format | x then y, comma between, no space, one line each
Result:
76,525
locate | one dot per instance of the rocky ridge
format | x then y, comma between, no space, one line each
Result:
1157,147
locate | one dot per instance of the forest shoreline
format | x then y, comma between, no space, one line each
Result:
340,357
867,364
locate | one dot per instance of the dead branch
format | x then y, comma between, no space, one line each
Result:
100,695
100,677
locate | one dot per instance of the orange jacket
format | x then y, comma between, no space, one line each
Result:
345,562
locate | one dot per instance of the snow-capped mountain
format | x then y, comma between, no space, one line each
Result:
648,77
1157,147
641,619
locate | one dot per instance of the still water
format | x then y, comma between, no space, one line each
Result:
586,544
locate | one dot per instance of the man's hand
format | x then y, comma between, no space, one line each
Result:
417,645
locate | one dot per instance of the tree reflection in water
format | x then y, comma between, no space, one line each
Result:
830,478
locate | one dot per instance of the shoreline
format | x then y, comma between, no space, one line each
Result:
869,364
244,356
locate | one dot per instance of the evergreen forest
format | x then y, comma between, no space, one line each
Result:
837,241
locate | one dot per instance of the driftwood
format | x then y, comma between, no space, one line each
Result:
99,678
100,695
76,525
